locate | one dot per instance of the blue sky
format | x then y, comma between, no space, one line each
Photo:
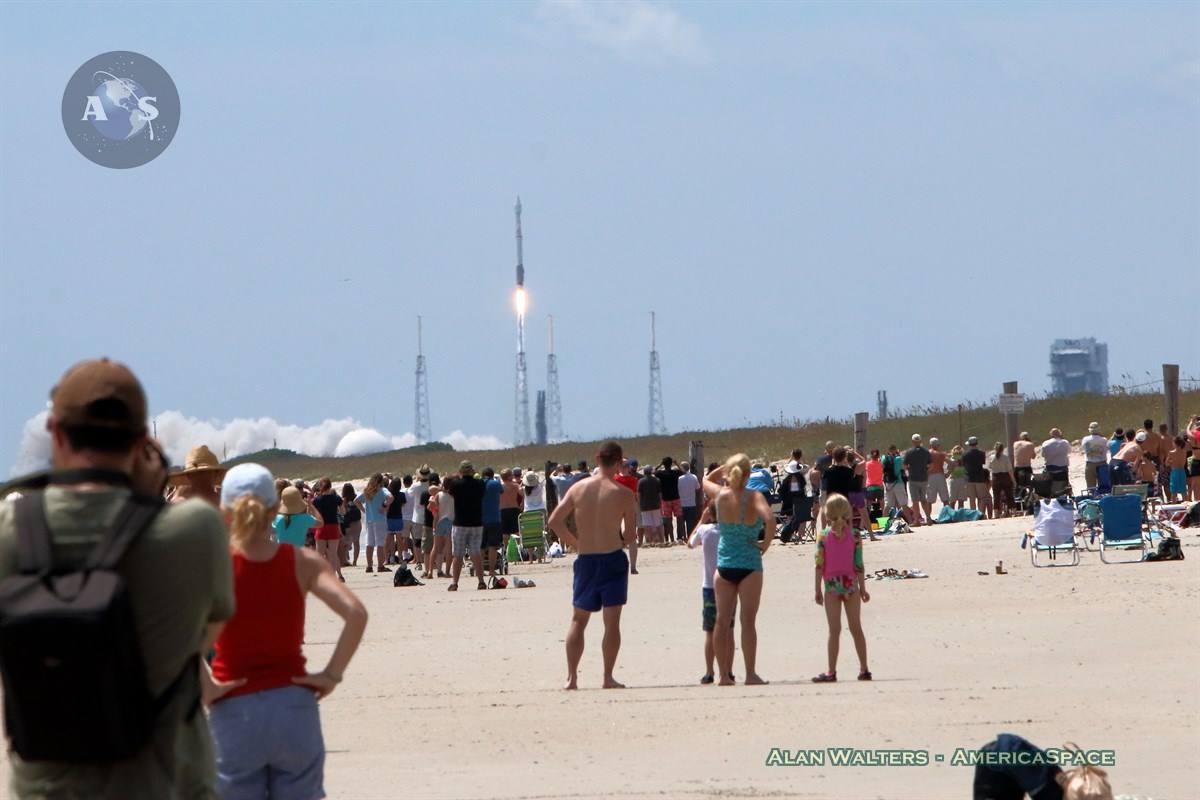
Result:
917,197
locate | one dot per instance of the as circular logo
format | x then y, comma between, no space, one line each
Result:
120,109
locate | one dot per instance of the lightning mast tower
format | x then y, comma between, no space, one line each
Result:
657,423
554,425
421,401
521,430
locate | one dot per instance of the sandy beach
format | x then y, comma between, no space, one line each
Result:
458,696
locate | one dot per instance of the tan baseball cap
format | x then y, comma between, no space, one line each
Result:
100,394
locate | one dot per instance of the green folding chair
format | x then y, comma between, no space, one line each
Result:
532,525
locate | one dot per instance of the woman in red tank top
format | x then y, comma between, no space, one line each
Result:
262,703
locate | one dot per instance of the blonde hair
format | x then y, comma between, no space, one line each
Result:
373,485
248,518
837,508
737,470
1084,782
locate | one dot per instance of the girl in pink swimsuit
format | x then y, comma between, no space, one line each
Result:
840,574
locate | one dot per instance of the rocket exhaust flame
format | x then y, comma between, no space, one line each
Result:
520,302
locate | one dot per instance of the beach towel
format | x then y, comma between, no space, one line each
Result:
948,514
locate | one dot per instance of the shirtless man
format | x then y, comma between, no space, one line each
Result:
1023,451
1126,461
601,505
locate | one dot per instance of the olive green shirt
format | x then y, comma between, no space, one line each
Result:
179,580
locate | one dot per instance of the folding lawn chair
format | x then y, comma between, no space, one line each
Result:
1087,519
1121,526
1053,533
532,525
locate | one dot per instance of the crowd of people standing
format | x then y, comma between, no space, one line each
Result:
213,584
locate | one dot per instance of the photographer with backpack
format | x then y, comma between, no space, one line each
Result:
108,597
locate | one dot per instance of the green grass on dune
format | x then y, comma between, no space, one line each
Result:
1072,414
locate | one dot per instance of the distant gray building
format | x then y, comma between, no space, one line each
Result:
1078,365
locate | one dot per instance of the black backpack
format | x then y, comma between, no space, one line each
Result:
74,680
405,577
1169,549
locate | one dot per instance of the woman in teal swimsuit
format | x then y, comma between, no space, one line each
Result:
742,515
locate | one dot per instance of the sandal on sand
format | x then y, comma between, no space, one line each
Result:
864,676
452,587
480,585
372,569
826,677
707,679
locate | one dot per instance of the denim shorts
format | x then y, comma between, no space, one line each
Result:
269,744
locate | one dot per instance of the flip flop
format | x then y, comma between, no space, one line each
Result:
452,587
707,679
825,677
864,676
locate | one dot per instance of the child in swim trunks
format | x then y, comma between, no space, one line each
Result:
1177,464
841,574
708,536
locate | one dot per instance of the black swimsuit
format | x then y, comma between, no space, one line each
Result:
733,574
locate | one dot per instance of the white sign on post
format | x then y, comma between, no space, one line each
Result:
1011,403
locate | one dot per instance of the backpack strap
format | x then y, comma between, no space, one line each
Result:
35,481
66,477
34,553
134,517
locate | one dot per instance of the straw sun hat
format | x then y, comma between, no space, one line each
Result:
199,459
291,501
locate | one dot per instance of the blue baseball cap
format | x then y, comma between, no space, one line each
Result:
252,479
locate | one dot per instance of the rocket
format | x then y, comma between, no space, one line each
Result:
520,260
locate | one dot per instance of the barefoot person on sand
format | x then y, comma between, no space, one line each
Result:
601,568
840,572
741,516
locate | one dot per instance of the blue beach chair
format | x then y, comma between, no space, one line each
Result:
1121,526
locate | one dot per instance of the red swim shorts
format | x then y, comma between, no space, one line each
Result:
329,533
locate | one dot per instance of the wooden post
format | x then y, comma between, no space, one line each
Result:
860,431
1171,397
696,457
1012,422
